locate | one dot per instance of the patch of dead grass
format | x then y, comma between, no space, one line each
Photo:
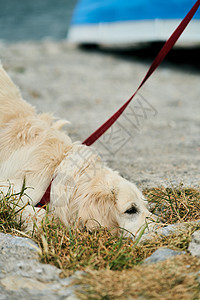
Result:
74,249
172,279
175,204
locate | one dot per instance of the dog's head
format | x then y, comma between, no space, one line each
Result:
100,198
114,203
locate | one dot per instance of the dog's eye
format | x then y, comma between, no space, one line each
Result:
131,211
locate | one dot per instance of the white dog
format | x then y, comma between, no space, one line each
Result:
83,190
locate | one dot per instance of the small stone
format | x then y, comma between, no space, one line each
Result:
194,246
162,254
188,266
72,297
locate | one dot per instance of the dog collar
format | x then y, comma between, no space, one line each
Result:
45,198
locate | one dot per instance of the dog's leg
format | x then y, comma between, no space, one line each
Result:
30,216
11,103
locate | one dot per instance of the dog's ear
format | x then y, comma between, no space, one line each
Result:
98,209
67,179
63,186
62,190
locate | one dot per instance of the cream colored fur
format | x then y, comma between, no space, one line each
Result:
84,191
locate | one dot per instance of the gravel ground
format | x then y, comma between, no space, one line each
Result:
156,141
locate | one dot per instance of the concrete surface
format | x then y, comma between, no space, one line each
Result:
156,141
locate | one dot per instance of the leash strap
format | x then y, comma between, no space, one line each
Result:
157,61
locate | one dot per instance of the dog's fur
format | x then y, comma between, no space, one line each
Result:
83,191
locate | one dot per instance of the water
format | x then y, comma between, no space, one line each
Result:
34,19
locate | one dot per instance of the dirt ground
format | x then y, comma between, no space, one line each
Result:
156,141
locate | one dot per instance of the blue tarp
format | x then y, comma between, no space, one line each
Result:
107,11
130,21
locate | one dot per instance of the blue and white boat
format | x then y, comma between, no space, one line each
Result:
131,21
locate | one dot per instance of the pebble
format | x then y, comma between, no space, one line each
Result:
194,246
162,254
165,231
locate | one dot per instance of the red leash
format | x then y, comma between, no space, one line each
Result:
157,61
45,198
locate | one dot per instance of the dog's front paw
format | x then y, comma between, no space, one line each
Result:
31,217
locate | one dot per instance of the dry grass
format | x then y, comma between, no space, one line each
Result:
175,204
114,264
172,279
8,210
74,249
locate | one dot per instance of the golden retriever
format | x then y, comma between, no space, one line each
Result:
83,189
